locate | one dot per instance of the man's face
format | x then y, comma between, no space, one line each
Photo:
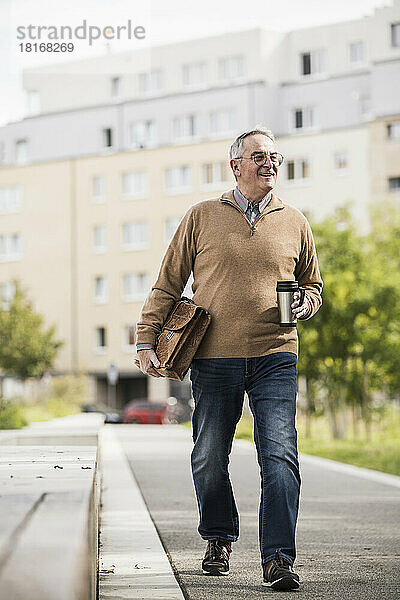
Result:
252,178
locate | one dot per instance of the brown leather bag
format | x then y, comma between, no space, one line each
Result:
180,337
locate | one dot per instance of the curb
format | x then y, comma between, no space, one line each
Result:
132,559
334,465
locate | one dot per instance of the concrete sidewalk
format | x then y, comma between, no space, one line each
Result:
347,536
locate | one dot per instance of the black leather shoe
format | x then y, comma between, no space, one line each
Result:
279,575
216,559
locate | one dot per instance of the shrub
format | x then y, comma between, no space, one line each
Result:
11,415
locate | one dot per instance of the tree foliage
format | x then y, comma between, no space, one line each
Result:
351,347
26,348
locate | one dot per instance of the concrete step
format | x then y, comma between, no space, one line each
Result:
80,429
49,503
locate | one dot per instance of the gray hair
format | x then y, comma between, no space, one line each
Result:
237,147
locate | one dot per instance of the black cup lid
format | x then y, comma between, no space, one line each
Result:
287,286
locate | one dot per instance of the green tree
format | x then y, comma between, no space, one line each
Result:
384,245
376,337
329,335
352,345
26,348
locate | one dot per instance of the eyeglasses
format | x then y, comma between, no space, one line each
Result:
260,158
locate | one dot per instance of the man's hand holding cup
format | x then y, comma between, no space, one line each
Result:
300,311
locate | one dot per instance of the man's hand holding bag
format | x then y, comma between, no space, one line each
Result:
178,341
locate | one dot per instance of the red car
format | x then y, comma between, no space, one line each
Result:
146,413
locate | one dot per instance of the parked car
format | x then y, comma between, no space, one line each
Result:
145,412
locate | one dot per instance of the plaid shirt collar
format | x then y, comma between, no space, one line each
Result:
245,204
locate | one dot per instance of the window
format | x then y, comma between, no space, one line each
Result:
142,134
231,68
185,127
194,74
313,62
303,118
135,185
365,107
98,190
356,53
171,225
135,236
7,292
222,122
129,337
100,290
21,152
340,162
135,287
2,153
150,82
395,34
178,179
32,103
107,137
214,173
297,169
394,184
10,200
393,130
115,87
10,247
101,338
99,239
306,64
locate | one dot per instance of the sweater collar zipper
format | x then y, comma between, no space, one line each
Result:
263,214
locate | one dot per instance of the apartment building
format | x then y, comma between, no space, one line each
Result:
115,149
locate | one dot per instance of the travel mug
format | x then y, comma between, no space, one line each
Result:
285,291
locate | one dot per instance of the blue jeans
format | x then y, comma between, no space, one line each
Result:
218,386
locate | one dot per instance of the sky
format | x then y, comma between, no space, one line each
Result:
164,22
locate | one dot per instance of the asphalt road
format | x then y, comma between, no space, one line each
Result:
348,533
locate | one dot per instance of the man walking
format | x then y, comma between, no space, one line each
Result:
238,246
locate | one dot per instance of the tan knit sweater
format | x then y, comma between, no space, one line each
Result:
235,275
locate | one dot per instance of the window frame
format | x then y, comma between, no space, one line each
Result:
180,188
101,197
317,58
135,245
341,171
395,189
361,61
104,298
308,110
228,61
395,34
97,348
135,296
143,193
298,165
